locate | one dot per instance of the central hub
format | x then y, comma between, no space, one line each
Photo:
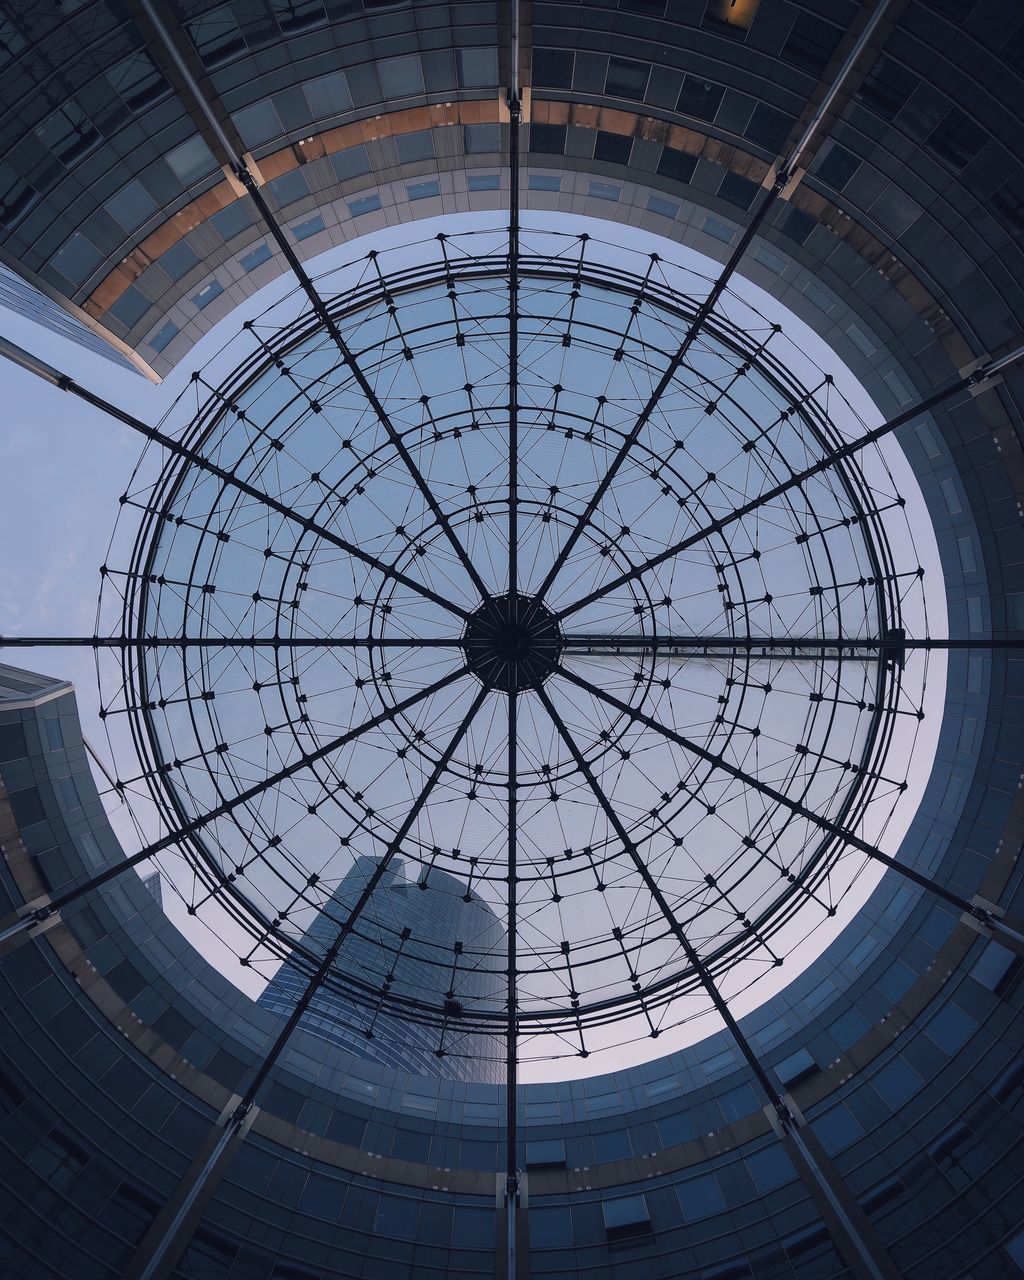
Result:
512,642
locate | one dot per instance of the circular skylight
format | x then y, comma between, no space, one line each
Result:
592,627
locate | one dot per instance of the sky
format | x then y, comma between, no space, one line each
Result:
66,464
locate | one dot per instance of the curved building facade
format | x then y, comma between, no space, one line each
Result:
898,240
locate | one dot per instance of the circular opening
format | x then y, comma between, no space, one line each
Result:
601,642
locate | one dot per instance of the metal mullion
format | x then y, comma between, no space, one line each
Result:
230,642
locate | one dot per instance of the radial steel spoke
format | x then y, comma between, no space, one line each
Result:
786,646
230,642
770,1087
393,847
976,378
844,835
64,383
320,309
44,911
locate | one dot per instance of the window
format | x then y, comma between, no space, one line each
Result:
837,1129
401,77
366,204
993,966
328,95
798,1066
12,742
810,44
626,1216
477,68
738,191
68,133
423,190
667,209
887,88
350,163
729,17
130,307
950,1028
700,1198
545,1153
676,165
480,137
164,336
231,220
719,230
797,225
57,1159
191,160
612,147
484,182
258,123
298,15
16,196
699,98
547,139
769,128
956,139
77,258
770,1168
836,166
288,188
216,37
178,261
627,79
604,190
131,206
552,68
551,1228
896,1083
311,227
137,81
415,146
207,294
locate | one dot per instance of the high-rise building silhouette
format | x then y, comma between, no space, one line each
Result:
430,928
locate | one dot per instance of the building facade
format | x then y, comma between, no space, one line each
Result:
431,919
902,1044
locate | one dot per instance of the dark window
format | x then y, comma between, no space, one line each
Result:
887,88
727,18
699,98
547,139
625,1216
769,128
130,307
129,1212
178,261
69,133
415,146
798,1066
612,147
298,15
797,225
956,139
700,1197
12,742
545,1153
480,138
627,79
27,806
737,190
1008,202
231,220
138,81
837,167
288,188
552,68
676,165
16,196
810,45
551,1228
216,37
351,163
57,1159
